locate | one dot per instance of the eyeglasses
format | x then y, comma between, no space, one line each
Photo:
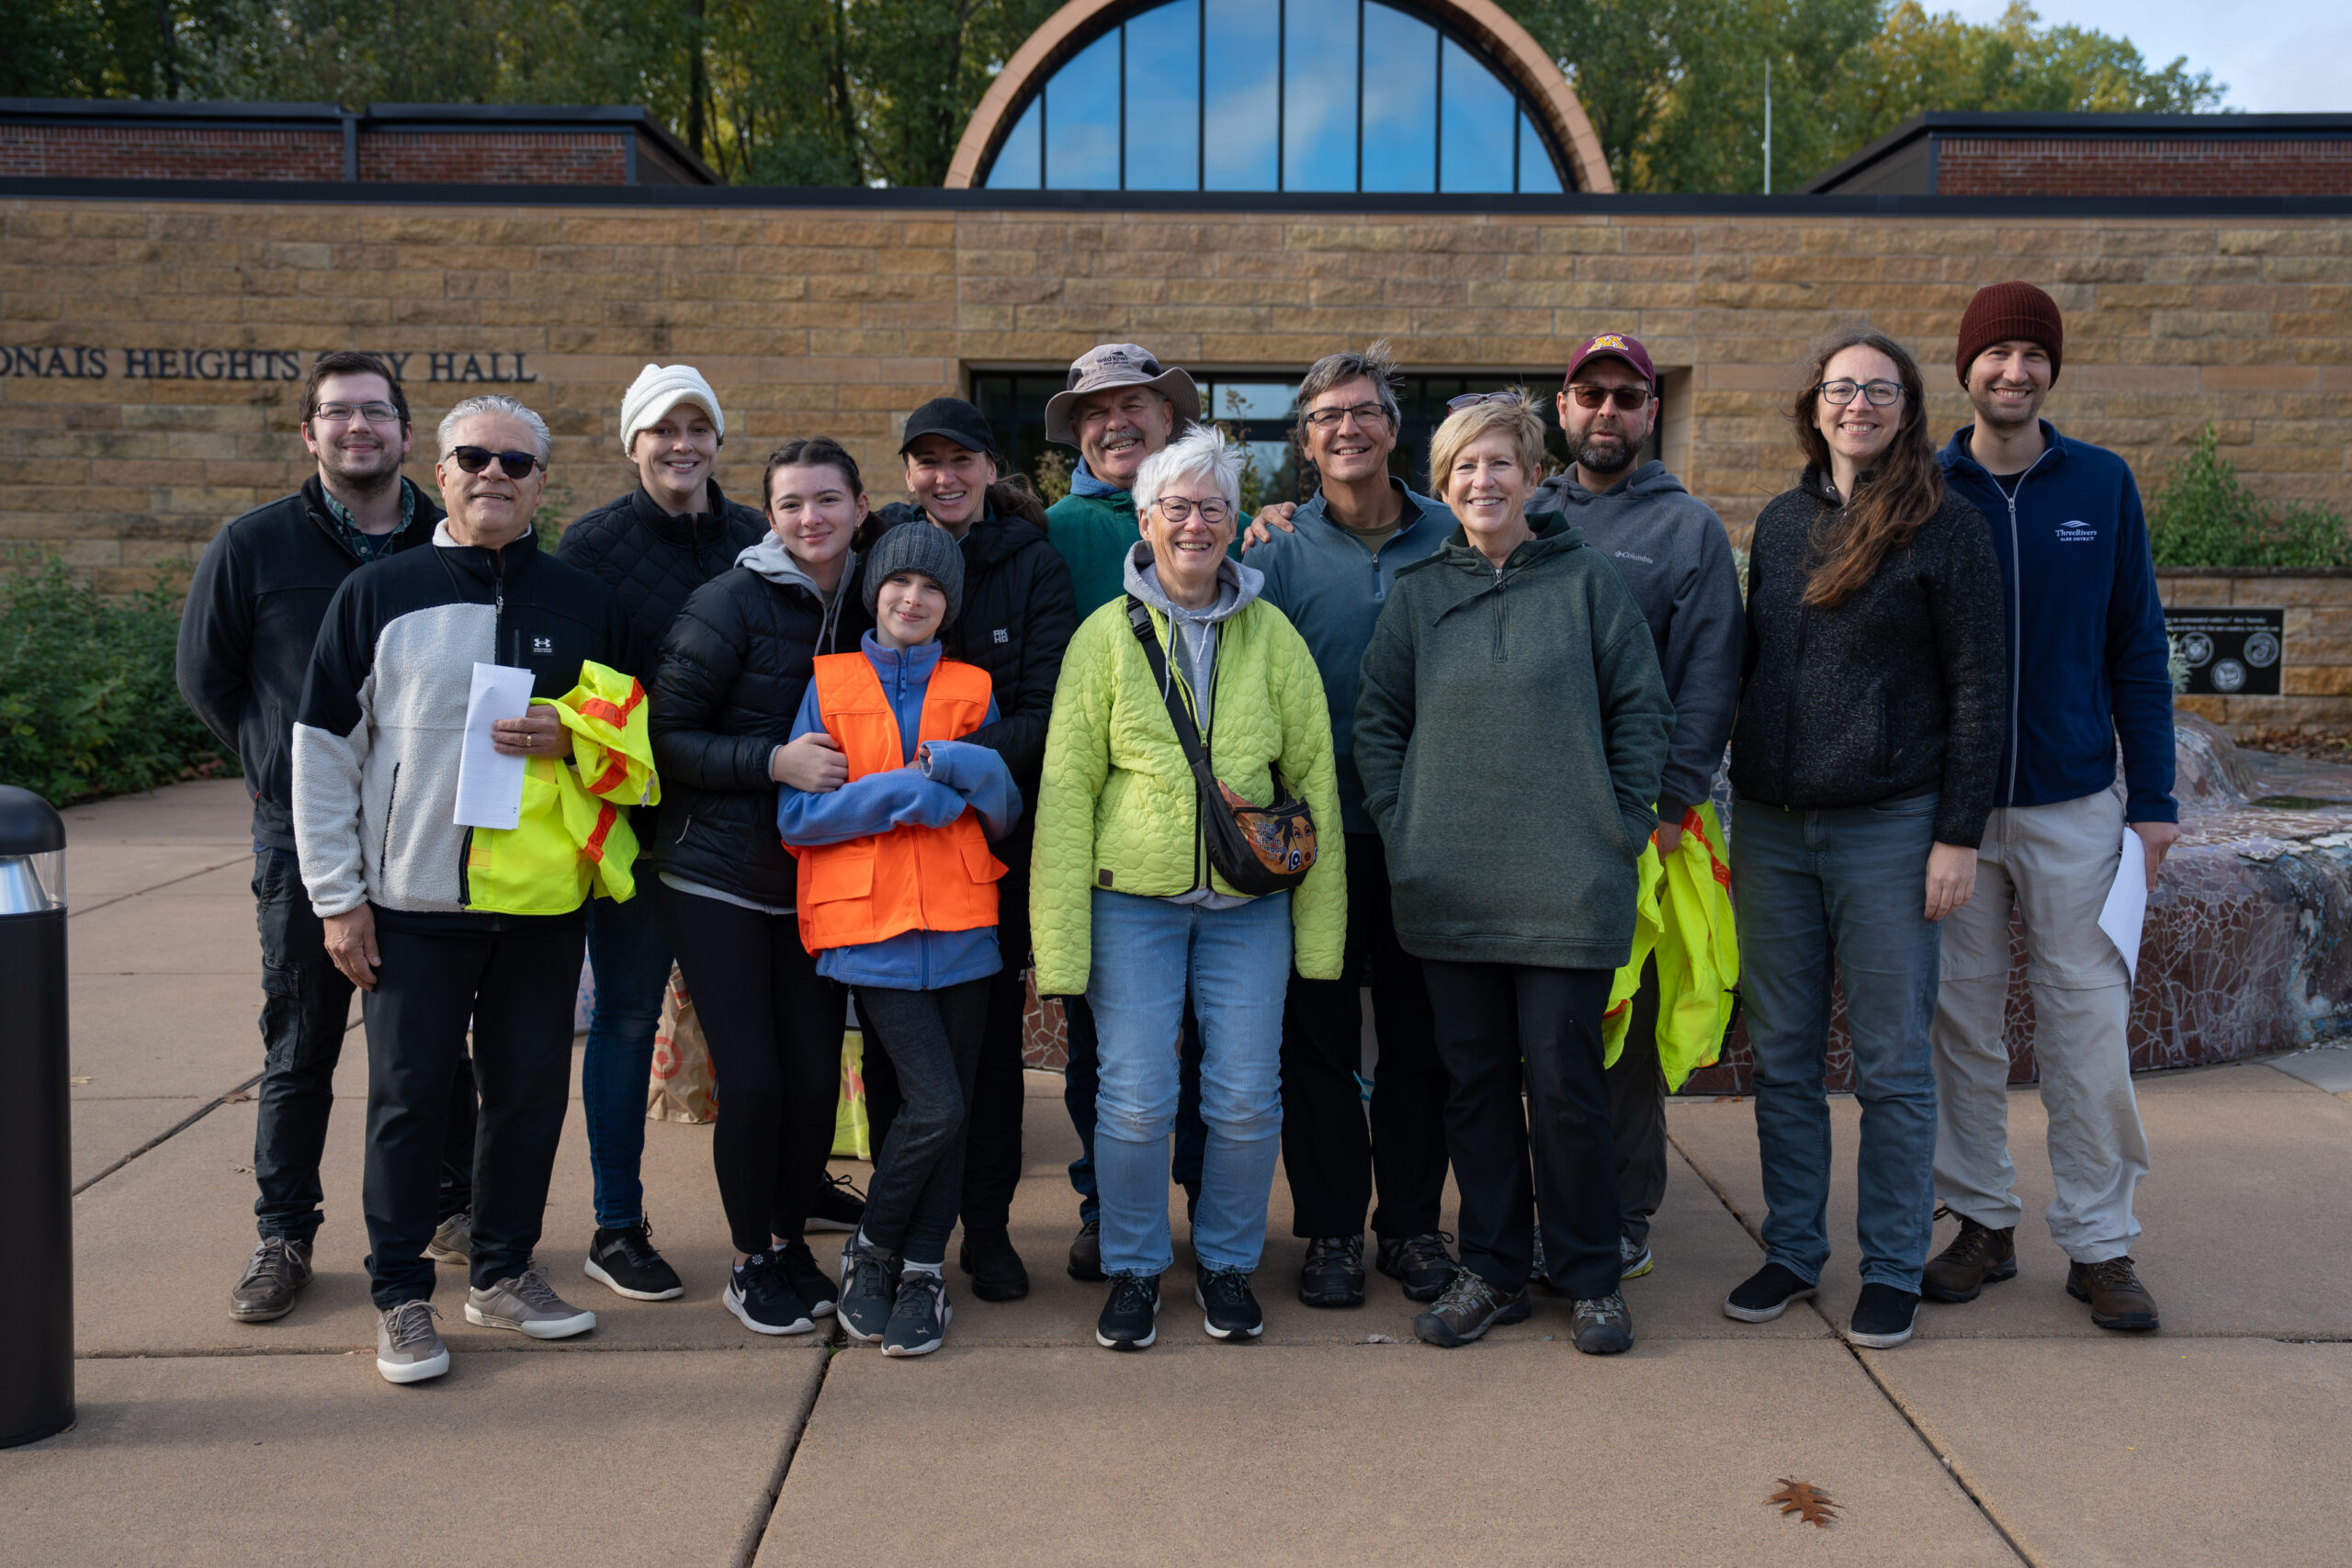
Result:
1880,393
1177,508
1472,400
1591,397
1328,419
344,413
513,464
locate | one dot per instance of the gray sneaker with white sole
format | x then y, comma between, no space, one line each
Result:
408,1348
528,1304
453,1239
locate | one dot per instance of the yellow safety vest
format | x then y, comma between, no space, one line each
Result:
1683,915
572,839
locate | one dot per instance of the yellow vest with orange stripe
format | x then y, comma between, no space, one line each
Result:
572,839
912,878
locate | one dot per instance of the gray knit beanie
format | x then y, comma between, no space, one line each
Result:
917,546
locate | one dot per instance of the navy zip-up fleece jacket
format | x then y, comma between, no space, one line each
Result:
2087,657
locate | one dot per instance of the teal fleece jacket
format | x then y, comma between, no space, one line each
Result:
1511,728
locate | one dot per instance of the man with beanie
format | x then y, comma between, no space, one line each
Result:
1013,620
671,533
2087,667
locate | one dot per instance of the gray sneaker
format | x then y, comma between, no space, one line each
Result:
869,1291
408,1348
274,1276
919,1316
453,1239
528,1304
1633,1259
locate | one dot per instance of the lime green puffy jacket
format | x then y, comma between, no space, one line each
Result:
1116,808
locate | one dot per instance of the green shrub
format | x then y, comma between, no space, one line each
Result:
89,705
2203,514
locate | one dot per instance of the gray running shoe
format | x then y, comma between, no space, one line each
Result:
453,1239
1470,1307
919,1317
1603,1326
528,1304
869,1291
408,1348
1633,1260
274,1276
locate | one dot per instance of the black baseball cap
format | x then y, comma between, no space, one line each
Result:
954,418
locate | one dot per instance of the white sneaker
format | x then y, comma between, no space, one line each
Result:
408,1348
528,1304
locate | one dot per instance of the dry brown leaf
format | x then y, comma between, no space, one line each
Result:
77,1080
1805,1500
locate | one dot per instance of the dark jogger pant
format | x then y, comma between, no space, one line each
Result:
992,1123
1637,1112
934,1042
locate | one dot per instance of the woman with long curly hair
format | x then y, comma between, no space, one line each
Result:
1862,762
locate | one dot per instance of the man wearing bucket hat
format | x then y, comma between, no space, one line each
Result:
673,532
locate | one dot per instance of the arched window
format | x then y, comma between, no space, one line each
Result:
1277,95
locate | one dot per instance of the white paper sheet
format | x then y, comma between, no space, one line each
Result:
490,786
2127,901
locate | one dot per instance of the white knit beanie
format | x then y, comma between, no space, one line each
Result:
661,388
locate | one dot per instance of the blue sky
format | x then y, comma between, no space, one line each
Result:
2282,57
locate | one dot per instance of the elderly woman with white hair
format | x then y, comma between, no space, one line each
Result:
1188,764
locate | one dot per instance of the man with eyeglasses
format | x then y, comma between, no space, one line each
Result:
252,615
445,931
1672,552
2088,668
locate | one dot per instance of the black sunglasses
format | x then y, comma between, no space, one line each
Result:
1588,395
513,464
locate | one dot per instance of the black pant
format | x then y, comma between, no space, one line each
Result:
1491,1019
1083,1078
1637,1114
992,1122
1331,1162
517,986
305,1000
932,1039
773,1025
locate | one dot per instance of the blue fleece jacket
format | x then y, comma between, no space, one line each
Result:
2088,662
941,779
1333,589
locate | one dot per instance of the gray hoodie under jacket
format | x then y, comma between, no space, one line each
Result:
1675,557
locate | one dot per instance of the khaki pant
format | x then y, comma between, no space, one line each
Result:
2054,864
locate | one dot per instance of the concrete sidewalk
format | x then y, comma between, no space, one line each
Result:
2009,1431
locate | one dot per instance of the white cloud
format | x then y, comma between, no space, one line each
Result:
2289,59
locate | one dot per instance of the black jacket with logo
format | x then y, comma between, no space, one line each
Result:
655,561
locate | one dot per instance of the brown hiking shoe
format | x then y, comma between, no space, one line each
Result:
2118,1299
1979,1256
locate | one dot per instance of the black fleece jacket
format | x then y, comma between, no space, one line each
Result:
1893,693
253,610
655,561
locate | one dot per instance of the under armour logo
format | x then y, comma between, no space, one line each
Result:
1003,636
542,645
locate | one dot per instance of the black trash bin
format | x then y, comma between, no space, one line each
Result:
35,1152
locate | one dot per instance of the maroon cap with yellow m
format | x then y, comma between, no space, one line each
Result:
1613,345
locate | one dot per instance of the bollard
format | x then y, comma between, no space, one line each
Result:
36,1164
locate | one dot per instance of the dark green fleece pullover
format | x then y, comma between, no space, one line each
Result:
1511,730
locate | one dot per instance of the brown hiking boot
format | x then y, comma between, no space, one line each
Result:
2118,1299
1979,1256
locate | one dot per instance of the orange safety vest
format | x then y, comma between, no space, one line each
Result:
910,878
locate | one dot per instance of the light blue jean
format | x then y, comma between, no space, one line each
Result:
1237,964
629,949
1841,894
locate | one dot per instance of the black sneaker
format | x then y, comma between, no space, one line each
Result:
1423,1264
274,1276
1129,1320
1603,1326
869,1291
810,1284
1882,1317
1469,1307
1086,1254
1333,1273
997,1274
625,1259
918,1315
839,1206
1766,1294
1229,1311
761,1296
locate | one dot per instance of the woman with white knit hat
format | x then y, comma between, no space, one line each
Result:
673,532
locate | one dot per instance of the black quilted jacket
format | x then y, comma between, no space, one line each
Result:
654,560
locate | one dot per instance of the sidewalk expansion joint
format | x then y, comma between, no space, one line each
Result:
493,1348
140,892
756,1527
174,1131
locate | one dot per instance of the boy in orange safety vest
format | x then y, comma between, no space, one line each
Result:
897,898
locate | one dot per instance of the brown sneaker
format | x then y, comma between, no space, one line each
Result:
1979,1256
2118,1299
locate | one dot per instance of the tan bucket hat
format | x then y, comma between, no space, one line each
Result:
1119,365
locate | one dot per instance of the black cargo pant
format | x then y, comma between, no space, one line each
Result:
1637,1110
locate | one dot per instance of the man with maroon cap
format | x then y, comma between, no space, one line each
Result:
2089,665
1673,554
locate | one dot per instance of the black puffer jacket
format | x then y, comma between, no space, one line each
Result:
1897,690
726,689
655,561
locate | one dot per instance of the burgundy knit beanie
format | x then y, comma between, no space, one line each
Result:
2004,310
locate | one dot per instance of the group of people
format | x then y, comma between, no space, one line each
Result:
1209,780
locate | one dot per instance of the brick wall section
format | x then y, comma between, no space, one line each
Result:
2101,167
451,157
2317,679
158,153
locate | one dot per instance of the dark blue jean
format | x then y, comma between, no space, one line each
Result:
629,948
1083,1078
1842,894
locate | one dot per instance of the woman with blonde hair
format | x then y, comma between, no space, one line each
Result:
1511,730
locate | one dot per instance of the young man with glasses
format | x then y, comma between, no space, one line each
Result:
252,613
2089,665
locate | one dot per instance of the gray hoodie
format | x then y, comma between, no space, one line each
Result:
781,567
1674,556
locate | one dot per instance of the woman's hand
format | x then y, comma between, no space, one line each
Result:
1952,877
812,764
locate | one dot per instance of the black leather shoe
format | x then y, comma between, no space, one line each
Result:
1086,1254
997,1274
1421,1263
1333,1275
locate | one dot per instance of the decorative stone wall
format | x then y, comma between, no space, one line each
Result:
2317,676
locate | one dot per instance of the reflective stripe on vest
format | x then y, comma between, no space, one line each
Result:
934,879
